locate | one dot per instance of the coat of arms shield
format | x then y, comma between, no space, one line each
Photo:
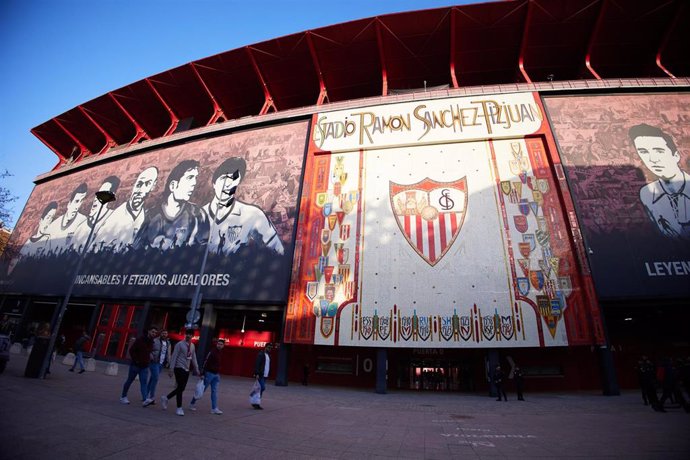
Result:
430,214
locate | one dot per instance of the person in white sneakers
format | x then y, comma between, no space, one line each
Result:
211,374
182,361
140,352
160,358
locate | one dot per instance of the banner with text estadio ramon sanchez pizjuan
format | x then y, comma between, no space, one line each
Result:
432,224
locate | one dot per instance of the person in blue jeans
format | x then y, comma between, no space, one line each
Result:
160,358
262,367
211,375
79,346
140,352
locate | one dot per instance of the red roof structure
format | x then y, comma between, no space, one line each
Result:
520,41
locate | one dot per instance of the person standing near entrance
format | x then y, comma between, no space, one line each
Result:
140,352
160,358
519,382
182,361
498,381
211,375
79,352
261,368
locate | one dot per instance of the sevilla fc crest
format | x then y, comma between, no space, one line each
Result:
430,214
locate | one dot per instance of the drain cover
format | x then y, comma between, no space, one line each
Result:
460,417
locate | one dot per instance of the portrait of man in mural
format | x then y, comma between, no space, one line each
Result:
177,222
667,199
235,224
119,227
38,243
110,184
63,228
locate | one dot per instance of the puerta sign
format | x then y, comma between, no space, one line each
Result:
232,199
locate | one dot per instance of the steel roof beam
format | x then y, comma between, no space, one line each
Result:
382,58
523,45
109,141
83,149
453,37
174,119
218,113
593,37
268,99
323,93
140,132
667,36
62,159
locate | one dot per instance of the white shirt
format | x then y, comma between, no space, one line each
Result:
669,211
244,223
267,365
119,229
61,235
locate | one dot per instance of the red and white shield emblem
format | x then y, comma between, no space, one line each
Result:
430,214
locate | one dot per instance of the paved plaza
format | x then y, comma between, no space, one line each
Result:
72,416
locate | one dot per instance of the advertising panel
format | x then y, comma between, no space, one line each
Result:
443,244
217,212
627,161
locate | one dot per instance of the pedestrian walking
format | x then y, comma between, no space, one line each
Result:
182,361
519,382
498,381
79,347
160,358
140,353
261,368
645,378
211,375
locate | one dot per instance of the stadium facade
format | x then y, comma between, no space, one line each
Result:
398,202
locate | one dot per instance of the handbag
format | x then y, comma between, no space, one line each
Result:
199,389
255,394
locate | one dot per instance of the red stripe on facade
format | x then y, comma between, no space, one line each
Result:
442,230
432,249
420,239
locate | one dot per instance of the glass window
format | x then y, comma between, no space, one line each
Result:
113,344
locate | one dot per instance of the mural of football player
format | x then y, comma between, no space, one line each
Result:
38,243
110,184
62,229
121,226
177,222
235,224
667,199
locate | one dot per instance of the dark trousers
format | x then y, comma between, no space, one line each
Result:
518,389
500,391
181,378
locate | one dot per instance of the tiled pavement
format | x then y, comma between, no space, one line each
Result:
79,416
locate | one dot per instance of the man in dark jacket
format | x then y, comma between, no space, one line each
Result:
498,381
261,369
140,352
79,346
211,375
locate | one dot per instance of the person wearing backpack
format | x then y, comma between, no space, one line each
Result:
211,375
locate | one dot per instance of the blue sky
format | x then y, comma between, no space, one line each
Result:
60,53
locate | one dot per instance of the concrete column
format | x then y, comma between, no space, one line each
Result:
381,370
208,323
283,365
609,382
